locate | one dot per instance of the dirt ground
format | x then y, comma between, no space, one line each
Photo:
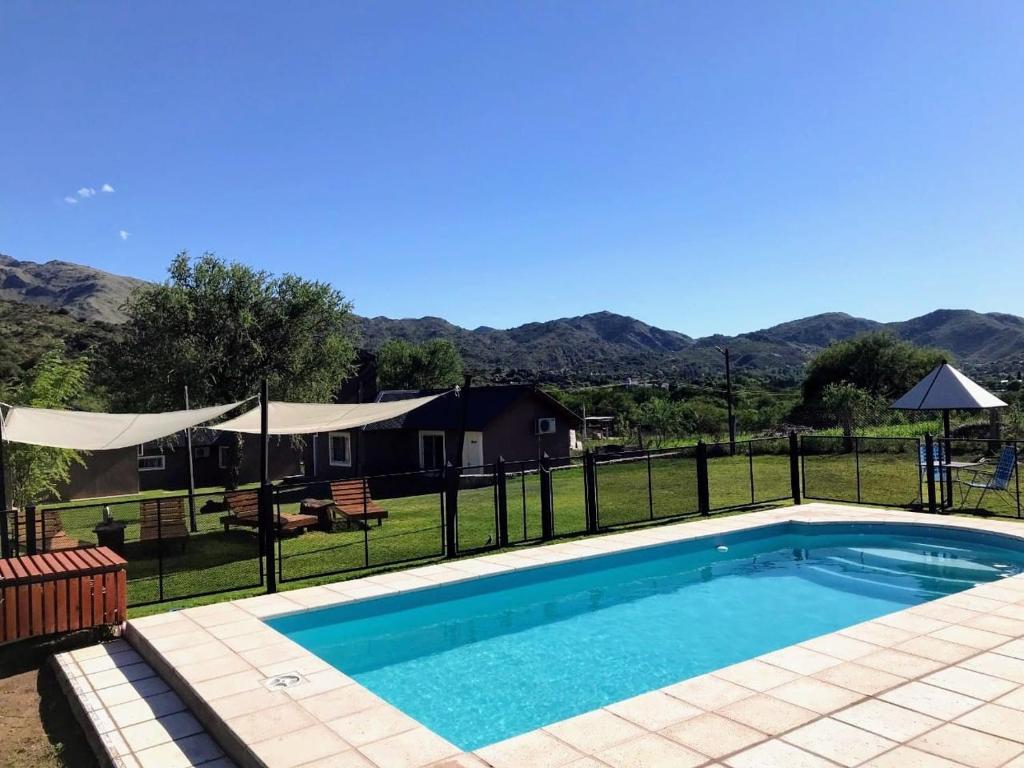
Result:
37,728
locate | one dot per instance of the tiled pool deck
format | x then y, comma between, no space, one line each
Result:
939,685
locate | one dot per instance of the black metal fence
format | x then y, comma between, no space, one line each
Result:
973,476
181,547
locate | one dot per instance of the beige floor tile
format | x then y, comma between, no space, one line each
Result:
372,724
354,759
997,665
901,664
857,678
122,658
887,720
271,722
111,677
941,612
595,731
119,694
976,638
1010,612
537,749
207,670
275,652
152,732
912,622
212,649
300,747
1014,699
973,602
194,750
995,590
803,661
250,641
970,683
713,735
939,650
879,634
140,710
996,720
937,702
100,649
247,702
235,628
840,646
319,682
654,711
650,751
907,757
1002,625
1014,648
970,747
227,685
839,742
340,702
708,692
767,714
756,675
777,754
411,749
815,695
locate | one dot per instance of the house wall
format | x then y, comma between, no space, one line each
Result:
283,460
106,473
511,434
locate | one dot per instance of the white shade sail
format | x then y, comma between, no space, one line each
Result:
308,418
87,431
946,388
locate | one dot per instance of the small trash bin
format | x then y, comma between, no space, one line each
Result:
110,533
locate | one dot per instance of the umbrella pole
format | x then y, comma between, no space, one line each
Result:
947,450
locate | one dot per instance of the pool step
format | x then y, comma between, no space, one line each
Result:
130,715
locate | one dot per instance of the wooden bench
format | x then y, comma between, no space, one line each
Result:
61,592
352,499
163,520
244,507
50,533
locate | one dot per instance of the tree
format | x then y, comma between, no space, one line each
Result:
219,328
877,363
851,406
37,472
436,364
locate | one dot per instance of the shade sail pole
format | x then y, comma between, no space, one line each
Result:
266,506
3,465
191,474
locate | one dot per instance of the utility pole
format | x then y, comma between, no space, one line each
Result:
728,401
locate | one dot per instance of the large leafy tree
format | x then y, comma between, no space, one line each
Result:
220,327
877,363
436,364
37,472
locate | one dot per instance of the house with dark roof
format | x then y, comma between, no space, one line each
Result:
515,422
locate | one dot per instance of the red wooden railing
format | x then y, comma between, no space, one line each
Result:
61,592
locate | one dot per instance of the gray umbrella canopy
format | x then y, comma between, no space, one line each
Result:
947,389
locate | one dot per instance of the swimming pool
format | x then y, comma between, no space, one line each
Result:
486,659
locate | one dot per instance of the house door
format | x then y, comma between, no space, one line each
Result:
473,449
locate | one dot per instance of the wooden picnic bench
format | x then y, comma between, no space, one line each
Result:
49,529
61,592
163,520
350,498
244,508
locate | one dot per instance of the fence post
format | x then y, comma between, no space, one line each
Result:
794,466
501,479
160,549
590,491
929,462
547,511
265,497
5,534
30,529
451,509
703,490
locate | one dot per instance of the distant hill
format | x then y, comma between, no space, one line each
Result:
83,308
85,292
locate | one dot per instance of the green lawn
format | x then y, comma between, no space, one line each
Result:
629,492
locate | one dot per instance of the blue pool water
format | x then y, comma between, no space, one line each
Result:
484,660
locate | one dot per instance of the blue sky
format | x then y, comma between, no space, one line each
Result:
704,166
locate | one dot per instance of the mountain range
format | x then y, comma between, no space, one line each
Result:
84,303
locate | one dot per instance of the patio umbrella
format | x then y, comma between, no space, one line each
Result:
947,389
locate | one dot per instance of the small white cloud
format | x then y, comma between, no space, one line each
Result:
71,200
86,192
124,234
106,188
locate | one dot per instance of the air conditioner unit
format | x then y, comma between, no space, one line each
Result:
546,426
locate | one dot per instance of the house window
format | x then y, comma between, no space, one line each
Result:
150,462
223,456
432,450
202,452
340,448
